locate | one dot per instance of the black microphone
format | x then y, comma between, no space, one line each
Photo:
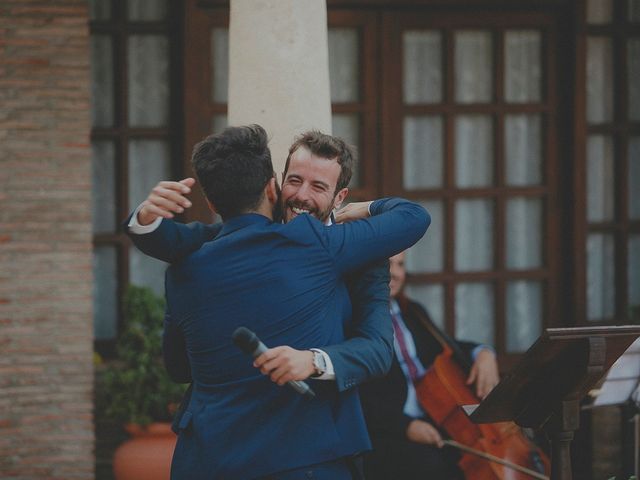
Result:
249,343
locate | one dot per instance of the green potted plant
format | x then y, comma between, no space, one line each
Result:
136,390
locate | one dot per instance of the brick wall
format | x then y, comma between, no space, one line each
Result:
46,330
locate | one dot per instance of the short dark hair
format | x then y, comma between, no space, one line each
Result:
233,168
327,146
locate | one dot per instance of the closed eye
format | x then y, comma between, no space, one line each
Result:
293,180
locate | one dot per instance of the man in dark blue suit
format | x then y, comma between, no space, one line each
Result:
311,187
283,282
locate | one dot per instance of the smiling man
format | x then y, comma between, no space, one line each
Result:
286,283
318,170
313,182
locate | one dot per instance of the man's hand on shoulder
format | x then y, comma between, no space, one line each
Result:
420,431
284,364
353,211
484,373
165,199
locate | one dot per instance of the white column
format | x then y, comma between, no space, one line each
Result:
279,69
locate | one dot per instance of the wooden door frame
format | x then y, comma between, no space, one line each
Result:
392,113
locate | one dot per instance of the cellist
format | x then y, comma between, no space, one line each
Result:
406,444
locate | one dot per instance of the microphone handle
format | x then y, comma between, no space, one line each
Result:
299,386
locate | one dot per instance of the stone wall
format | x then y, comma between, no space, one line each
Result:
46,332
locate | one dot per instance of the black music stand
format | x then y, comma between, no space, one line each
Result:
545,388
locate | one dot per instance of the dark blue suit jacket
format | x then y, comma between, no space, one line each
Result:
368,351
283,282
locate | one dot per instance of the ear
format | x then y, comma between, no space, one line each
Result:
271,191
339,198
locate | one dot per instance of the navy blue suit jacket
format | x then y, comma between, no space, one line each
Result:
283,282
368,351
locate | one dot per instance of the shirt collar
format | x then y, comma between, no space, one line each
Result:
331,219
393,306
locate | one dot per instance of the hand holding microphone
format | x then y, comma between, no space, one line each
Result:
249,343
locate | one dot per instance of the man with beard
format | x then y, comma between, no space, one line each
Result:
247,291
317,172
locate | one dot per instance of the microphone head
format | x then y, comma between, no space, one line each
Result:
245,340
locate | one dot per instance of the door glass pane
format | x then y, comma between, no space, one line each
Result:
148,63
146,10
524,314
599,178
599,80
634,271
475,312
600,276
523,67
474,235
474,151
146,271
634,11
102,100
220,65
428,254
473,67
103,191
344,64
634,178
105,288
347,127
431,297
524,233
99,9
149,162
599,11
423,152
633,61
523,149
422,67
218,123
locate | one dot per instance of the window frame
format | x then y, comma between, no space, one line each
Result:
119,28
394,110
620,129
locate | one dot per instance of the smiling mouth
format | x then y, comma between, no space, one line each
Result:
299,211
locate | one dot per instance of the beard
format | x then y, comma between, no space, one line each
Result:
321,215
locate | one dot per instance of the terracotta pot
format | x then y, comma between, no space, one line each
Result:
147,455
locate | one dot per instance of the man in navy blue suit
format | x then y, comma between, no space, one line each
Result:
315,188
285,283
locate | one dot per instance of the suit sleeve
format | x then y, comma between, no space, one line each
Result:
394,226
172,241
369,350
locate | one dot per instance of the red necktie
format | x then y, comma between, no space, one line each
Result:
413,370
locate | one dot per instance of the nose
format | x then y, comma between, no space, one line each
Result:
302,194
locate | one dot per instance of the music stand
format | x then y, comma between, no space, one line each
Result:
545,388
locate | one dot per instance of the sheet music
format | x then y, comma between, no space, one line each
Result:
621,383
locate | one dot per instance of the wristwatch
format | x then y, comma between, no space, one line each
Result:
319,364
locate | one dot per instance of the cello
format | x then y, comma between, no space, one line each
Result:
497,451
